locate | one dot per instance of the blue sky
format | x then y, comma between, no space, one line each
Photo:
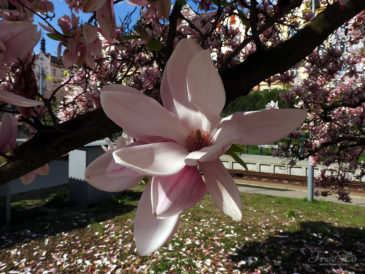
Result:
61,8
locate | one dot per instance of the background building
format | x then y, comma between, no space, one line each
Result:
50,73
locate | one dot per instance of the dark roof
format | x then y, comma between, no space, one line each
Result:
56,60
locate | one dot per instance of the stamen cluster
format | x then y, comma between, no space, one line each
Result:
198,139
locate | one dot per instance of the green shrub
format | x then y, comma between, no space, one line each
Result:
255,100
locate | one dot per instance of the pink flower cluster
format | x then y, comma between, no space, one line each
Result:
333,94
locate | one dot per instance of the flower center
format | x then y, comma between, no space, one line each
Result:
198,139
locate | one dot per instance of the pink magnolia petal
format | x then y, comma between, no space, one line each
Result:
95,48
140,116
69,58
163,8
17,100
96,175
45,27
173,85
89,32
161,159
207,154
43,170
8,132
176,71
76,19
117,170
124,141
92,5
106,18
137,2
151,233
260,127
222,189
19,38
28,178
64,23
205,87
89,60
173,194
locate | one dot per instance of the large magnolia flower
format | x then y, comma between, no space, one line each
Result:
175,139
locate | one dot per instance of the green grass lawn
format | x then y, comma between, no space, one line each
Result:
275,235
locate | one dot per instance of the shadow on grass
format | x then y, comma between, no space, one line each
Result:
45,213
317,247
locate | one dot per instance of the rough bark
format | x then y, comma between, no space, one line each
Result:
54,142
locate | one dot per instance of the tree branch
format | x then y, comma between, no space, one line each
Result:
172,30
240,79
54,142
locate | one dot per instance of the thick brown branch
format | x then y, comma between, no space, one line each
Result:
240,79
172,29
54,142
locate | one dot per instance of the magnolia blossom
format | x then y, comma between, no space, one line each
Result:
104,14
16,100
8,132
174,140
17,40
82,43
83,46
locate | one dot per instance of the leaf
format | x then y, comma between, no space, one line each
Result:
236,148
154,45
56,36
232,152
181,2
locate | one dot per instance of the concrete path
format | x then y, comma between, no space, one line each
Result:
290,191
